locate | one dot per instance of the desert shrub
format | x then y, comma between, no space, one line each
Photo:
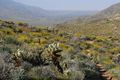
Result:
4,49
85,45
110,66
18,74
96,46
102,50
8,24
5,72
87,38
28,55
59,38
1,33
77,35
115,72
116,59
8,31
63,46
22,24
76,75
45,33
43,41
11,40
100,39
91,37
23,38
9,72
72,70
37,29
35,34
18,30
26,65
105,60
89,69
80,67
41,73
91,74
5,57
115,50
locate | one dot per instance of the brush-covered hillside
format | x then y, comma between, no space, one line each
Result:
104,23
32,53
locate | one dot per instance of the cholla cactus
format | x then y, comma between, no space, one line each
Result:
17,57
18,54
51,54
48,55
33,58
116,59
54,48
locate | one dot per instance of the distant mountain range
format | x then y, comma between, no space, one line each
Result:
11,10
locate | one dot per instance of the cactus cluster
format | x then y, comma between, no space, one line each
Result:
31,57
116,59
51,54
46,56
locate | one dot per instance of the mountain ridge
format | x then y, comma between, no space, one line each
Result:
34,15
98,24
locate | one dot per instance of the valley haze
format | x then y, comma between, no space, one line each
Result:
11,10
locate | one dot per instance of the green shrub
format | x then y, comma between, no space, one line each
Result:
11,40
76,75
10,72
4,49
41,73
92,74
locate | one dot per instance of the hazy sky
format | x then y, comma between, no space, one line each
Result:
70,4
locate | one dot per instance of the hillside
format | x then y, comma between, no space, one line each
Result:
109,12
49,54
104,23
11,10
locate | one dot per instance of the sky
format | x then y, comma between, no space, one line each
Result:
83,5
